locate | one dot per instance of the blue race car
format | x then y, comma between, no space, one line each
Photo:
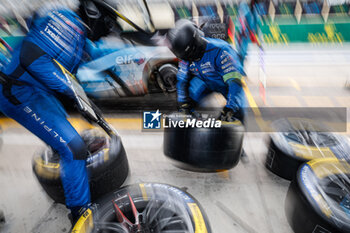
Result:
124,70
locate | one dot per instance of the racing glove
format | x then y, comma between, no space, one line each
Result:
229,115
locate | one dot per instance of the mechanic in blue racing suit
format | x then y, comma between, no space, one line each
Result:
32,80
247,28
207,65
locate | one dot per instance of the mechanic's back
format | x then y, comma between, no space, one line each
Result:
54,34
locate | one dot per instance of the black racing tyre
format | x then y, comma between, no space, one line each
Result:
297,141
318,200
148,207
107,166
203,149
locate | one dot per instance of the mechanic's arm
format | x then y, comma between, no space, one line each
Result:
183,79
232,76
44,69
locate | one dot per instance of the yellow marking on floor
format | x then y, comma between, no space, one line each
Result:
344,101
347,130
285,101
126,123
7,122
80,124
295,84
250,99
318,101
223,173
264,126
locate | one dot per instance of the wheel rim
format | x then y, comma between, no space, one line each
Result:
310,138
139,216
168,75
336,191
326,184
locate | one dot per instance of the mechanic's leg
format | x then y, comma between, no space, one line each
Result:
44,116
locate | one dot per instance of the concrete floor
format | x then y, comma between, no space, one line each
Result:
245,199
248,198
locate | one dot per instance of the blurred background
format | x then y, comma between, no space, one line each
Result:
284,22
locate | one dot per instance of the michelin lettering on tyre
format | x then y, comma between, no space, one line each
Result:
200,226
183,195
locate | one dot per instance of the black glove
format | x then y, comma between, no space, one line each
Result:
228,114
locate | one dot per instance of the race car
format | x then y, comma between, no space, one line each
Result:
126,70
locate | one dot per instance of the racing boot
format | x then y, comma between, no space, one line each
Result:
76,213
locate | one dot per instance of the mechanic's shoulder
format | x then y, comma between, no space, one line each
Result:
212,43
216,45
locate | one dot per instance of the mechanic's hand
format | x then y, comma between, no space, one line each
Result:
228,114
185,108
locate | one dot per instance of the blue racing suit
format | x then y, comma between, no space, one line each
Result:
33,81
219,70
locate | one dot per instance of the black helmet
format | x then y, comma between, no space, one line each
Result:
99,23
186,41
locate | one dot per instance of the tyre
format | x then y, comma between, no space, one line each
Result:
297,141
168,75
318,200
148,207
107,166
203,149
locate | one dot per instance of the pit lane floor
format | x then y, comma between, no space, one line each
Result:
247,198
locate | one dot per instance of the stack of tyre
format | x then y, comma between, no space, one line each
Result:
204,149
318,164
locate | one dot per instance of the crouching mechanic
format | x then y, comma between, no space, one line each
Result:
207,65
32,80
